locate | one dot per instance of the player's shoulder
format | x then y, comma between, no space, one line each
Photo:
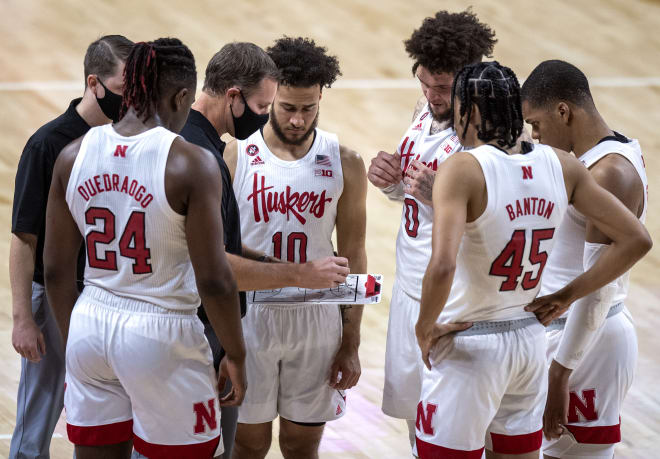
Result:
461,158
69,153
352,165
349,156
461,167
569,163
614,171
191,159
231,152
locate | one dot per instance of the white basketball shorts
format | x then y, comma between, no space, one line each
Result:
403,359
138,371
289,352
484,390
597,387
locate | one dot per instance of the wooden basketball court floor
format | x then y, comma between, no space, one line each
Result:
614,42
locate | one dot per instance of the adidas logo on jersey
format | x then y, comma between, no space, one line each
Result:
256,161
418,127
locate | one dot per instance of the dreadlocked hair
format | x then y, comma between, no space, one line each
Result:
496,91
152,70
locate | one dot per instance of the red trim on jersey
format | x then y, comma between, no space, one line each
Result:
192,451
107,434
431,451
516,444
596,434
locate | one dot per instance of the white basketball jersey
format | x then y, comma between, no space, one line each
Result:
136,243
503,252
413,244
566,263
288,208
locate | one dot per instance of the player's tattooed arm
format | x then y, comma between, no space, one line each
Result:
343,309
418,182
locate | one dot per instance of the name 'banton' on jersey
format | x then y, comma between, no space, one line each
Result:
288,208
414,239
136,243
503,252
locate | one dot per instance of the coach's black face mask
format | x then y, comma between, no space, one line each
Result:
110,104
248,122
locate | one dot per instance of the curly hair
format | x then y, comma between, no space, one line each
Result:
448,42
496,91
303,64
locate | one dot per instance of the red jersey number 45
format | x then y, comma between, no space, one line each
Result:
509,263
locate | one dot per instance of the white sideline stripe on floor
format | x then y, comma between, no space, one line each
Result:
373,83
8,436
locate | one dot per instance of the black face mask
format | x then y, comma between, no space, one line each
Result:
248,122
110,104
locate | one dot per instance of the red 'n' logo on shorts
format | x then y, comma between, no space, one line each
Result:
585,405
205,417
425,419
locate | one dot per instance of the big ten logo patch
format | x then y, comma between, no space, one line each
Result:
425,417
252,149
585,405
323,173
205,416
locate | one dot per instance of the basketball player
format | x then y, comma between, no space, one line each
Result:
442,46
592,359
239,76
294,183
139,369
495,217
35,336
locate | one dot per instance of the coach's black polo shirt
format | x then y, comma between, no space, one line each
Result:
200,131
33,177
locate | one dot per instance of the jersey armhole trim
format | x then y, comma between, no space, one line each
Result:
489,211
164,203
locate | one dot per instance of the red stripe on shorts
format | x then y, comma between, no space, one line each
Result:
596,434
431,451
516,444
107,434
193,451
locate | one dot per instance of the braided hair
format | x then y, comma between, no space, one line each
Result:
152,70
496,91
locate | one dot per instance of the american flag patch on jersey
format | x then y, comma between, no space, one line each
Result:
323,160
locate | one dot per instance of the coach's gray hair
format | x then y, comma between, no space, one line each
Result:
239,64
